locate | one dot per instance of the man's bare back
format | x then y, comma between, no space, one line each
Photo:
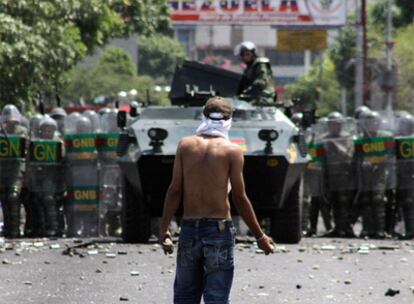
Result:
206,165
203,166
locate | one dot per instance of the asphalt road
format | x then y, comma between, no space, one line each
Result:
315,271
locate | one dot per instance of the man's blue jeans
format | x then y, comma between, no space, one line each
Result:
205,262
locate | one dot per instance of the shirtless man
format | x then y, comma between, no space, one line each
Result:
203,166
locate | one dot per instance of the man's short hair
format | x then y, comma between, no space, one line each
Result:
218,105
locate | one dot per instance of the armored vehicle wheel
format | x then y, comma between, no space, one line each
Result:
135,217
286,224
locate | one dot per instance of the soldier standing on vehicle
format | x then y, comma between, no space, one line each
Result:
12,165
204,165
339,172
257,85
405,172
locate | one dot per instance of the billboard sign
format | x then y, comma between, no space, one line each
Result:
326,13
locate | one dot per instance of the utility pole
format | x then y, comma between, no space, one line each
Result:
359,63
365,52
390,45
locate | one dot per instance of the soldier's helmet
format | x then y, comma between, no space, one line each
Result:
297,118
104,111
109,122
57,113
371,121
34,124
10,113
335,122
323,120
84,125
70,123
244,46
48,127
360,111
406,125
94,118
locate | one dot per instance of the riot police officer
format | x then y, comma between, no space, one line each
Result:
375,162
12,165
45,175
82,199
338,169
405,172
256,85
109,176
314,179
59,114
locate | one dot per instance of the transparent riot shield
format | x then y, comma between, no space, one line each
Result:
405,153
82,201
314,172
12,160
45,168
375,155
338,145
110,191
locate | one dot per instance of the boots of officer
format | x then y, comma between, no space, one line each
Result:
6,216
367,217
14,214
408,215
379,215
51,216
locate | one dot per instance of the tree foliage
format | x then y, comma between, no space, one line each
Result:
318,88
113,73
404,59
158,55
40,40
343,53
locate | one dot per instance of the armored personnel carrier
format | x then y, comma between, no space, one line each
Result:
274,149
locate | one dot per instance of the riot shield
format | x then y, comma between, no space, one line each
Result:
45,166
82,201
338,145
314,172
12,160
404,148
110,192
375,155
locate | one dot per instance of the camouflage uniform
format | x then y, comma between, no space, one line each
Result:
257,85
12,169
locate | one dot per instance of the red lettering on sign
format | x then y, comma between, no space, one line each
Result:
189,5
208,6
251,5
267,7
289,5
229,5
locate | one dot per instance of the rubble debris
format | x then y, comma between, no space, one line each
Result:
392,292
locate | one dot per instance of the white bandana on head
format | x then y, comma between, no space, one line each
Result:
214,125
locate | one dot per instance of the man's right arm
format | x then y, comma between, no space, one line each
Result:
242,202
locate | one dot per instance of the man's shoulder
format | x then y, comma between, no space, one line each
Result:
262,60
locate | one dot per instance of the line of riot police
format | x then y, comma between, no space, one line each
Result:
362,168
62,169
